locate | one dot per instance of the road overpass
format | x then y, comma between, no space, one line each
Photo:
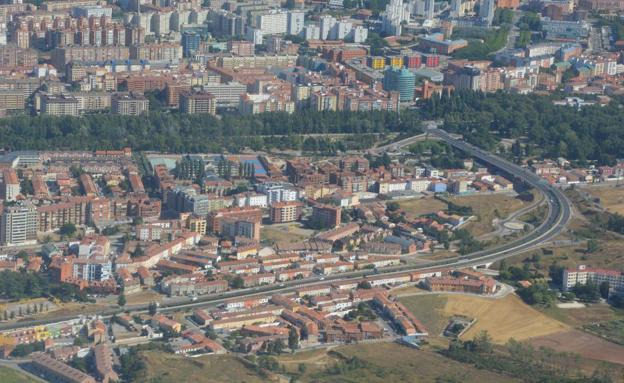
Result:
558,216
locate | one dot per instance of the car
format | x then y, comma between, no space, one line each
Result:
321,278
281,285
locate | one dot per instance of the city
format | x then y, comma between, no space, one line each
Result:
315,191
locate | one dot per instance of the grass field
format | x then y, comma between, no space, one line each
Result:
419,206
212,368
611,197
578,317
8,375
284,233
385,362
486,208
586,345
146,296
609,255
429,309
503,319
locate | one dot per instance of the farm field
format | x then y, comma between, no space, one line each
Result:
503,319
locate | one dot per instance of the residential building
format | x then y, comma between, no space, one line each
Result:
326,216
129,104
59,105
285,211
190,43
18,224
197,103
10,185
58,371
584,275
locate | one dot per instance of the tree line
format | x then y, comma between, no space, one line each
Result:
181,133
592,133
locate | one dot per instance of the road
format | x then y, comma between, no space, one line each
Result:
559,214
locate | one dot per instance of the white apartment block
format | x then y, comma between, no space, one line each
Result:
250,199
272,23
295,23
312,32
583,275
327,25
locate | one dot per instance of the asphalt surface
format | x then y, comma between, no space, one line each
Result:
559,214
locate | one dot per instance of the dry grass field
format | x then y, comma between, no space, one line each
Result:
383,362
487,207
503,319
145,296
584,344
212,368
419,206
578,317
8,375
611,197
289,233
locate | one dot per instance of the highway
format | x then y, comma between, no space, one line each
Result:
559,214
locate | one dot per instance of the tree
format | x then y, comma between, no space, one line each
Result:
237,282
592,246
392,206
555,272
604,289
152,308
68,230
588,292
137,252
121,301
293,339
302,368
364,285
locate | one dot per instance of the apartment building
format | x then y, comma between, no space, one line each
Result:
198,103
132,104
584,275
326,216
10,185
18,224
62,105
285,211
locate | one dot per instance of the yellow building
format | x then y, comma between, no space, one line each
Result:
197,225
377,62
395,61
